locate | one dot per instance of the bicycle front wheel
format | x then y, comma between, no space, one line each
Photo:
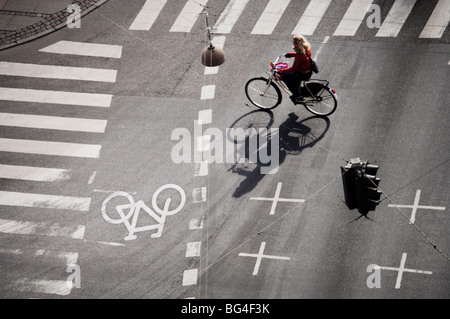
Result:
323,103
263,93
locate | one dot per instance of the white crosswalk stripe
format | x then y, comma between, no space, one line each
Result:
67,257
312,17
37,174
438,21
53,123
396,18
57,72
270,17
188,16
230,16
85,49
55,97
41,228
148,15
44,201
49,148
353,18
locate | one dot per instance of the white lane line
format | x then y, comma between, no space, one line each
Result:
55,97
312,17
205,117
193,249
270,17
36,174
396,18
190,277
353,18
230,16
203,143
49,148
325,41
201,169
211,70
208,92
44,201
17,227
53,123
438,21
57,72
148,14
199,195
196,224
188,16
85,49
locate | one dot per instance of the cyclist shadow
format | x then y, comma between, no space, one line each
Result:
294,136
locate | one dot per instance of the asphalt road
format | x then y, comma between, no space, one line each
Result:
393,111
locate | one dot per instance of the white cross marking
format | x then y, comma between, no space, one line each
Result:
415,207
402,269
277,199
260,256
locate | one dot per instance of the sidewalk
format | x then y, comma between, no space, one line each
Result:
25,20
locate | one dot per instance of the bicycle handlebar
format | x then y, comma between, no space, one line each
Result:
278,59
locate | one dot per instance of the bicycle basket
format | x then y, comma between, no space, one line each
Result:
282,66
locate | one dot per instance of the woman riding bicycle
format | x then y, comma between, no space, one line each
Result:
316,95
300,70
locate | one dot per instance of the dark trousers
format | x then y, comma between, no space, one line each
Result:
292,81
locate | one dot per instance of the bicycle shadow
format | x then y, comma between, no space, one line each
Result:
294,136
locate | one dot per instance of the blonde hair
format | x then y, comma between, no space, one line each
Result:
303,44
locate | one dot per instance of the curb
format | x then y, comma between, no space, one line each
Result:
47,25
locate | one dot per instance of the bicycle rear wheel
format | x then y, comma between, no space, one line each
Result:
122,216
263,94
323,102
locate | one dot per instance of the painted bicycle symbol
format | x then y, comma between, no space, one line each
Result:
132,209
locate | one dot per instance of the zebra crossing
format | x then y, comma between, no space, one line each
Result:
309,20
24,149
